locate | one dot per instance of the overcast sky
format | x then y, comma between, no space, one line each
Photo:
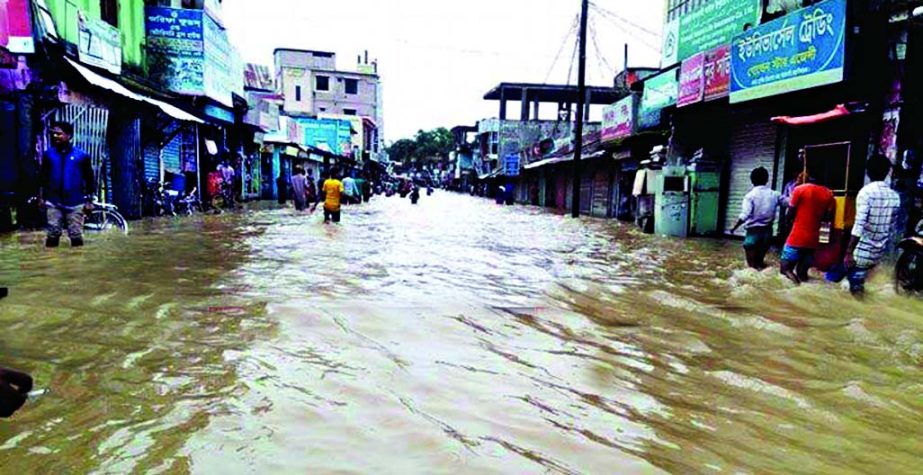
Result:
438,58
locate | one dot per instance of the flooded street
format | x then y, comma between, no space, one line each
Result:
451,337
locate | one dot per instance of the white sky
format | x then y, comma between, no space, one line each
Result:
438,58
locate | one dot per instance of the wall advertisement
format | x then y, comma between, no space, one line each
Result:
801,50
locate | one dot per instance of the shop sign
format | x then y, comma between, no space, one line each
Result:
99,44
708,26
691,81
619,119
659,93
177,34
801,50
219,113
201,60
511,165
718,73
16,27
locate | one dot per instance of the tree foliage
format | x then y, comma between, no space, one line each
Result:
427,146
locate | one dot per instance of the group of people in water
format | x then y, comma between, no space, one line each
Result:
810,209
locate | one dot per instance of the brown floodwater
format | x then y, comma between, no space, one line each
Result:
455,336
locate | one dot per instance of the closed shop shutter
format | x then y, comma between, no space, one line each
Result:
586,188
753,144
601,195
151,163
172,155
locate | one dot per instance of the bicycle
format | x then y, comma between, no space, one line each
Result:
105,218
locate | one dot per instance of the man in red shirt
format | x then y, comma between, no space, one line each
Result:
811,205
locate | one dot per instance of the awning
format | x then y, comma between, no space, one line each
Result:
492,174
110,85
837,112
566,158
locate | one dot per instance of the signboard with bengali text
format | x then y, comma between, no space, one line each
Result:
707,26
691,81
99,44
718,73
619,119
801,50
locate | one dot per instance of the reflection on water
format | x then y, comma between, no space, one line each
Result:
455,336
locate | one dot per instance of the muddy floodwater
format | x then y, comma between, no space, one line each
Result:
454,336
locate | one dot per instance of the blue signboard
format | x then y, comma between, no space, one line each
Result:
511,165
332,135
178,35
801,50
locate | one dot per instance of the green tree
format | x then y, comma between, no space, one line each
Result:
402,151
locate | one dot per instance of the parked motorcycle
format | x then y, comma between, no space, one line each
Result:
154,200
909,269
189,204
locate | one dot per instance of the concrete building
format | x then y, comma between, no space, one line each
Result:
314,87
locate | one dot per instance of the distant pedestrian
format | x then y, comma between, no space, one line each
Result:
299,188
282,186
877,210
349,187
760,209
310,187
811,206
67,186
332,194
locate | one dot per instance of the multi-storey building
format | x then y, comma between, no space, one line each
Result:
313,87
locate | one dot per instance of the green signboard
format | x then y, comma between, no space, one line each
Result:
708,26
660,92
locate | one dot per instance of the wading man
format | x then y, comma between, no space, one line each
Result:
760,208
877,208
811,205
67,186
331,193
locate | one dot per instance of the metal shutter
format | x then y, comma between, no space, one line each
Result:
753,144
171,155
600,207
151,163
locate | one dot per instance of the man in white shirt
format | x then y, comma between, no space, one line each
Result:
760,209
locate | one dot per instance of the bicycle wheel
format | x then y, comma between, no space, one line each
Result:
102,221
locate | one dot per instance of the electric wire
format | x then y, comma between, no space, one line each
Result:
571,31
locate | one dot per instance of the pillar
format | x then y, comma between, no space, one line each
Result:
124,136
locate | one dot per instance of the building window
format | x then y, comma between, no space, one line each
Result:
297,93
322,83
109,12
494,143
350,112
352,86
323,109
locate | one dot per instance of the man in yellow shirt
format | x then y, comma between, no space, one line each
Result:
331,193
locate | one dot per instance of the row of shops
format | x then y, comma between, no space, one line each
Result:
819,89
156,95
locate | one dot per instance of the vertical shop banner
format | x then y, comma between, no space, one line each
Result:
707,26
691,81
16,27
99,44
718,73
801,50
619,119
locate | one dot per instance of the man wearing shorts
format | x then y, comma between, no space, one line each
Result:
810,205
760,209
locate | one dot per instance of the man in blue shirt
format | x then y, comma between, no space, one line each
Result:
67,186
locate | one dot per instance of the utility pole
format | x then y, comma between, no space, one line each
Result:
581,99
